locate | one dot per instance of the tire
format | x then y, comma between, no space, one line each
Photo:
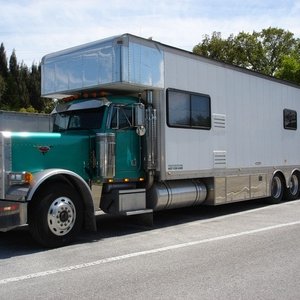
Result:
55,215
277,190
293,191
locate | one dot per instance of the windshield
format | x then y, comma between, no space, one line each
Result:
78,119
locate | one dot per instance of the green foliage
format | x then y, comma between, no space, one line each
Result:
3,61
272,51
29,109
2,86
289,69
215,47
20,86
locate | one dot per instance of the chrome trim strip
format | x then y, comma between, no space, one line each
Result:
5,161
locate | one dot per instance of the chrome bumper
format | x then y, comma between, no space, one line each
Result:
12,214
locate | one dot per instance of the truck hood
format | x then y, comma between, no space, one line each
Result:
35,152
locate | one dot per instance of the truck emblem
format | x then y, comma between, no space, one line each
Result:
43,149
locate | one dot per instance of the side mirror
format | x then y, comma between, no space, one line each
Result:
139,115
139,118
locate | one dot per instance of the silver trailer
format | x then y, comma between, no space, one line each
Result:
216,133
19,121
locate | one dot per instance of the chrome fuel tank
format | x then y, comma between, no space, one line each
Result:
175,194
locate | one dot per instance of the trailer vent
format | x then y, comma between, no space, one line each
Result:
219,159
219,121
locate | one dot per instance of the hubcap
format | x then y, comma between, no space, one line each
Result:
276,187
294,185
61,216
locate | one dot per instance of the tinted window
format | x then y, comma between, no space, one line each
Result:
290,119
188,110
179,109
78,120
200,111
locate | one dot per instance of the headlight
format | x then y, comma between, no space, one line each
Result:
19,178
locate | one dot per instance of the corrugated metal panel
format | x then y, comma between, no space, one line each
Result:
16,121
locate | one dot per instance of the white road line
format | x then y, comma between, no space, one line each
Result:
246,212
142,253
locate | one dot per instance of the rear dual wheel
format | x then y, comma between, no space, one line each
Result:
293,190
55,216
277,190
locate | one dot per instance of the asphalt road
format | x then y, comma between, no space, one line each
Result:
237,251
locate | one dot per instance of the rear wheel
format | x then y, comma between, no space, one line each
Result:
277,189
293,190
55,216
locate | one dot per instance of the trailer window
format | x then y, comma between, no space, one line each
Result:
289,119
188,110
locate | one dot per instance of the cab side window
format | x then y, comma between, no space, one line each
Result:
121,117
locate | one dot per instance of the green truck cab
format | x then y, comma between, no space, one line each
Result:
48,179
100,154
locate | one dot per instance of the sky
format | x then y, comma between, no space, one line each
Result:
35,28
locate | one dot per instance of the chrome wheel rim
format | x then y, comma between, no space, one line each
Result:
61,216
294,185
276,187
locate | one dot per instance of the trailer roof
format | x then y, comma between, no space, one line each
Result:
54,68
220,63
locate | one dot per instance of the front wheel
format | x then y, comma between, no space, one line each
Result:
55,216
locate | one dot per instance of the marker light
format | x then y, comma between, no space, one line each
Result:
28,177
9,208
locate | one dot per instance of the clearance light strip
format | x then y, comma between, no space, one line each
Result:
85,96
111,180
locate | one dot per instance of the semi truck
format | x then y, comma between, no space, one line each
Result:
141,126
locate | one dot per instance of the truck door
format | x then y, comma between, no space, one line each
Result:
128,143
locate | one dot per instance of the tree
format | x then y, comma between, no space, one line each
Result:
20,86
277,43
215,47
265,51
34,88
13,64
23,80
248,51
17,94
3,62
2,88
289,69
